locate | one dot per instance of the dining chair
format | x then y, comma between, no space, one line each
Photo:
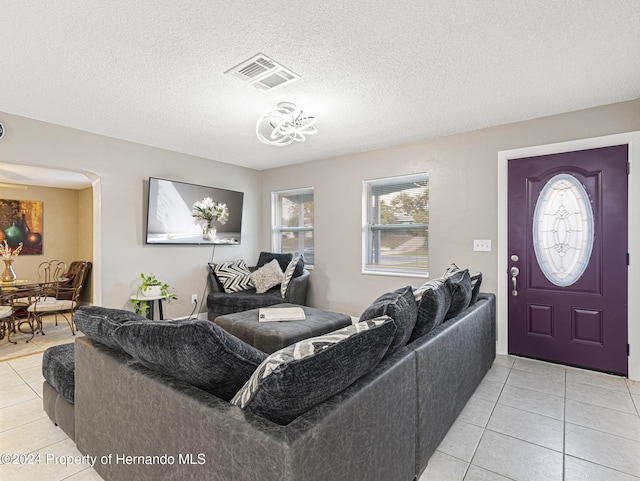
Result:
57,299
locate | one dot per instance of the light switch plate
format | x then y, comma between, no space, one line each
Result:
482,245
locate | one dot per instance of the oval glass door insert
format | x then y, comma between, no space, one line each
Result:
563,230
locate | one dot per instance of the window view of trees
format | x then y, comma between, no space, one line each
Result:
397,224
294,229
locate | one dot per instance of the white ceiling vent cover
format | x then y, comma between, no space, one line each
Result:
263,73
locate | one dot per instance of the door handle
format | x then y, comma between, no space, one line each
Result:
514,271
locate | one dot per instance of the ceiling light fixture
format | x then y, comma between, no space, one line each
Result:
284,125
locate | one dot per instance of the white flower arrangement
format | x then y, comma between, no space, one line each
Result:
7,253
207,210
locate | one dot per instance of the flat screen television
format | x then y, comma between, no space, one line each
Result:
169,219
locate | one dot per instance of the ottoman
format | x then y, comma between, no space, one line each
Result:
270,337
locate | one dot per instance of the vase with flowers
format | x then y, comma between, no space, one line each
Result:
8,256
205,212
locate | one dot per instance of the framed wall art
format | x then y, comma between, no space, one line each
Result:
22,221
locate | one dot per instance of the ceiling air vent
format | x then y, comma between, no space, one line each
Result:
263,73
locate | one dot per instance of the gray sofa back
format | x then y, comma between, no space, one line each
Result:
451,361
384,427
365,432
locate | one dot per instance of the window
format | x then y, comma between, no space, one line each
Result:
396,220
292,212
563,230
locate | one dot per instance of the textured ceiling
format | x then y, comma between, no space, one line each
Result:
374,73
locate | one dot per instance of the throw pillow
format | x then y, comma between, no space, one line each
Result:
268,276
99,323
459,282
195,351
435,300
234,276
283,259
400,305
476,281
289,274
295,379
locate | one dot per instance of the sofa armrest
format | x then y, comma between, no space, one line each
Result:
298,288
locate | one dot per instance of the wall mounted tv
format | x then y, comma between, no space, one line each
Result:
169,219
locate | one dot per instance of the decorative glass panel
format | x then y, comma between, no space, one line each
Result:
563,230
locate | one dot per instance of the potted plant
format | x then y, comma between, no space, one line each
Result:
150,286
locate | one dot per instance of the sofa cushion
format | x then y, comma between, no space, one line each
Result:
433,305
294,379
283,259
234,276
58,368
476,282
198,352
267,276
222,303
459,282
289,274
400,305
99,323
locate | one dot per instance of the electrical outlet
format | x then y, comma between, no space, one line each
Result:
194,298
482,245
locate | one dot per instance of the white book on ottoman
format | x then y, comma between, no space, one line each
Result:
273,314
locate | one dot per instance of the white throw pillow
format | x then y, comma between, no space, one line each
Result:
268,276
288,275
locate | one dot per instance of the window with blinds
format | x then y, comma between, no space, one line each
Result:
396,225
292,230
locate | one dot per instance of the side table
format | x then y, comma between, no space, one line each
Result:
150,301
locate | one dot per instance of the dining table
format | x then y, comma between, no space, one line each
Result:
18,295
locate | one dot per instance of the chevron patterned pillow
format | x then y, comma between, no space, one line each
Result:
234,276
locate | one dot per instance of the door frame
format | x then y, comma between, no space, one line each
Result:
632,139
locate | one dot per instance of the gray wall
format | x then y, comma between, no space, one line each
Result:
463,201
121,169
463,187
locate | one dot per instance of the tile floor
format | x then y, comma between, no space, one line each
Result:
535,421
527,421
24,426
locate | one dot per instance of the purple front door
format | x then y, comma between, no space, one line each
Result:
568,258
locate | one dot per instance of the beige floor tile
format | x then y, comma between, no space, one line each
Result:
603,419
21,413
55,462
605,449
498,374
517,459
15,394
461,440
30,437
504,361
489,390
588,393
443,467
533,401
537,381
527,426
581,470
551,371
477,411
476,473
614,383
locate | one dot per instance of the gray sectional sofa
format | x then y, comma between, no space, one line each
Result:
143,424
